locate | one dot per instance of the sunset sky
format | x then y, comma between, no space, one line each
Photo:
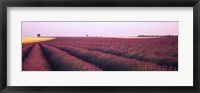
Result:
106,29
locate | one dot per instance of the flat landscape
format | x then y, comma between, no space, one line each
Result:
26,40
101,54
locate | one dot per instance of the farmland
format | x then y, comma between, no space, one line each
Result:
27,40
101,54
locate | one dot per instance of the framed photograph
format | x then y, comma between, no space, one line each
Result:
136,46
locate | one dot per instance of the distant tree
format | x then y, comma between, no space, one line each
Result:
140,36
87,35
38,35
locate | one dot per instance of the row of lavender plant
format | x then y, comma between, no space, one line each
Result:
110,62
26,49
62,61
36,61
135,54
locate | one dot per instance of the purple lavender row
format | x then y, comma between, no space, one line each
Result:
36,60
110,62
62,61
26,49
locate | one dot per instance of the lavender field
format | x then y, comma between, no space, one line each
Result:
101,54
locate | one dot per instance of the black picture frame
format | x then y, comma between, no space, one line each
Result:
98,3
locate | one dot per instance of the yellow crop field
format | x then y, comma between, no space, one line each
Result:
34,39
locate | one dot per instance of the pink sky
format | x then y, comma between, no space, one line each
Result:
106,29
